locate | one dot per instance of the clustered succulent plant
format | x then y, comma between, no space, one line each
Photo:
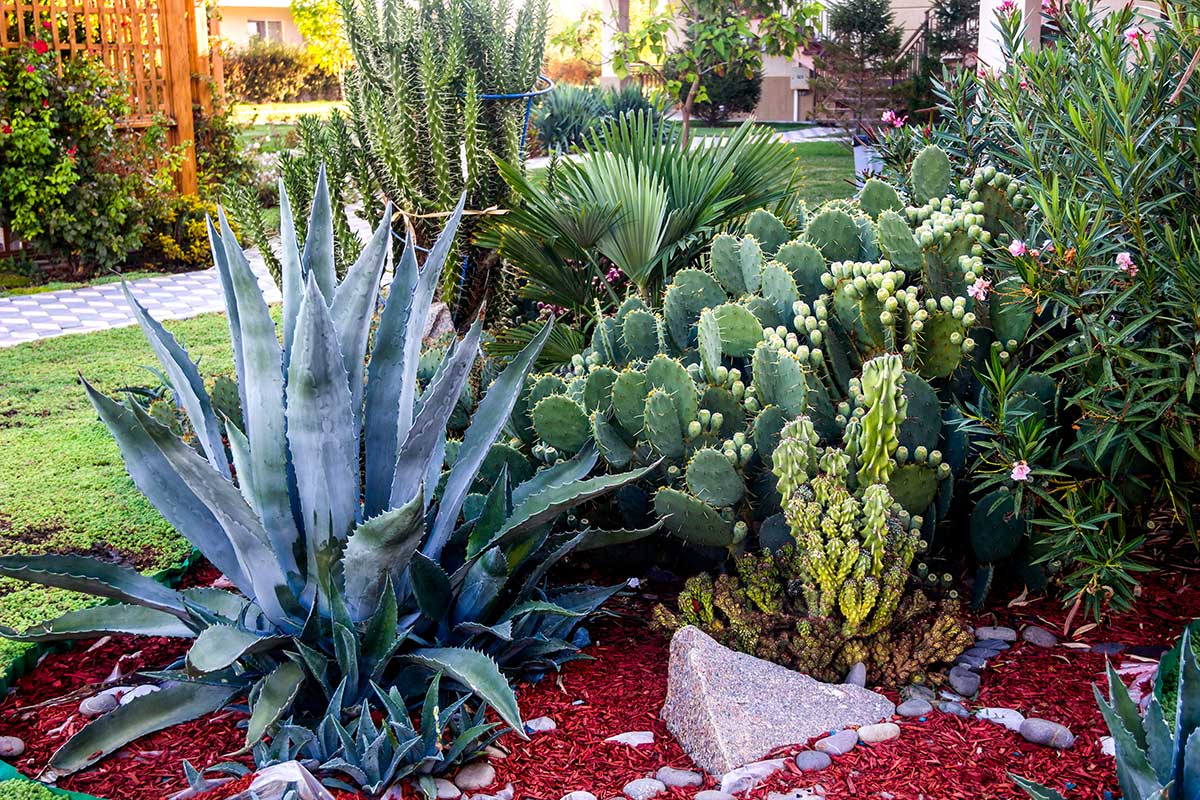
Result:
373,572
836,593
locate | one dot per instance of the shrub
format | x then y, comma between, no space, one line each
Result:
373,557
274,72
1094,389
565,116
728,93
72,182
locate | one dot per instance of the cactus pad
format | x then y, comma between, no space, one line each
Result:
713,479
876,197
740,330
806,263
640,334
691,291
561,423
931,174
996,530
835,233
691,519
767,230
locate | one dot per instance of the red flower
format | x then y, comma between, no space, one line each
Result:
71,151
30,68
40,47
45,104
46,24
7,129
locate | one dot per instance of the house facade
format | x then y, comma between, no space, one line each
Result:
243,20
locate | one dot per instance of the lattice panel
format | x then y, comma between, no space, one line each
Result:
126,35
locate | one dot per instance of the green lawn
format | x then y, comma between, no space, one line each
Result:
63,487
826,171
16,285
287,113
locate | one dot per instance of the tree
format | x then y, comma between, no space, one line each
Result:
857,59
320,23
717,36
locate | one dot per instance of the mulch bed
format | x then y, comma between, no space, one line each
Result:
622,687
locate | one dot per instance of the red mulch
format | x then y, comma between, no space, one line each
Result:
622,689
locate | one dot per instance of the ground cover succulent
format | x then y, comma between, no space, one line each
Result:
370,577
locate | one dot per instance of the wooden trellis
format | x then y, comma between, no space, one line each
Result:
154,45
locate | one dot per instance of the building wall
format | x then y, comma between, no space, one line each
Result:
235,22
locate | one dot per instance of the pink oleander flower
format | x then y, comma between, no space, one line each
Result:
979,289
1024,84
1007,7
1135,35
1125,264
890,117
1017,248
1020,471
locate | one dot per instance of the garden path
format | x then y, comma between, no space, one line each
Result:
25,318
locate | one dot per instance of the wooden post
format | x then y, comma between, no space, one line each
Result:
173,19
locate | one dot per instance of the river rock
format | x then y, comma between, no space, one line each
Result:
1047,733
951,707
838,744
812,760
1108,648
882,732
963,681
1008,717
973,663
1000,632
632,738
728,708
1039,636
540,725
914,708
446,790
857,676
578,795
97,704
676,778
474,776
644,789
11,747
713,794
995,645
745,778
917,690
1108,746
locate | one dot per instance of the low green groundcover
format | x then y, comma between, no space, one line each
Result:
63,487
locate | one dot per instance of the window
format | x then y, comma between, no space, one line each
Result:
270,30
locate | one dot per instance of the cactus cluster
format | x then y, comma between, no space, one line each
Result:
835,592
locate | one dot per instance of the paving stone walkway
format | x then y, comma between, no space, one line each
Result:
24,318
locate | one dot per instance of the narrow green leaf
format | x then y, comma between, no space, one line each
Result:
275,696
220,646
478,673
86,623
318,258
94,577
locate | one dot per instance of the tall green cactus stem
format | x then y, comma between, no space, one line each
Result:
883,396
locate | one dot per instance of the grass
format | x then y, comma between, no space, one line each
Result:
826,171
63,487
287,113
17,288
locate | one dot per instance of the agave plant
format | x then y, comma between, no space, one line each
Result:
365,560
1158,755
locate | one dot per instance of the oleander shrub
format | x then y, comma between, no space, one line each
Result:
277,72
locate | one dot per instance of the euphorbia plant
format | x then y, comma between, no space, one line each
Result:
372,566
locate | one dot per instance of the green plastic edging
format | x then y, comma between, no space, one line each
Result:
10,773
29,659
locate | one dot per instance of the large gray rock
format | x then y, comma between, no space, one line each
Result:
727,708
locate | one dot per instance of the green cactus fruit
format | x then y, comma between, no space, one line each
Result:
740,329
613,448
629,392
922,424
226,399
709,343
931,174
662,425
691,291
780,293
767,427
779,379
737,263
499,457
597,389
1011,315
940,349
670,376
691,519
561,423
719,400
806,263
640,334
713,479
898,244
767,230
876,197
836,233
996,528
914,487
